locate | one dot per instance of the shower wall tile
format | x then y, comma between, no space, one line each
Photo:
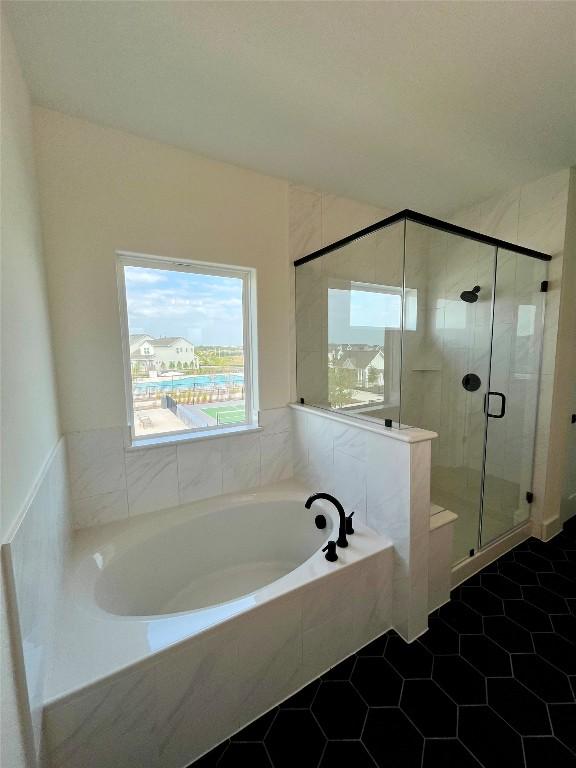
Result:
542,216
498,216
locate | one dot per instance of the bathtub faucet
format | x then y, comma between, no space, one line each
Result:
342,540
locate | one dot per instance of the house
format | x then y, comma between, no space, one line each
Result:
368,362
174,349
166,352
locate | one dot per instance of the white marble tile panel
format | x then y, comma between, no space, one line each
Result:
101,509
269,644
241,477
200,470
276,457
96,462
197,697
275,420
152,479
114,721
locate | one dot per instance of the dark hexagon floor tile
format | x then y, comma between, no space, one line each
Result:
565,625
566,569
541,678
340,710
391,738
557,650
429,708
352,753
518,573
481,600
485,655
544,599
375,648
461,617
442,753
501,586
210,759
533,562
492,741
460,680
521,709
295,738
303,698
440,638
377,681
507,633
410,660
250,753
257,730
547,751
559,584
563,717
341,671
527,615
546,549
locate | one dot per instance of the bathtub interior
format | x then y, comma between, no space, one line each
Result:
208,559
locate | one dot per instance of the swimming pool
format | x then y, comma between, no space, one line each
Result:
189,382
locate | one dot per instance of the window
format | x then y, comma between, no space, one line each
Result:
208,311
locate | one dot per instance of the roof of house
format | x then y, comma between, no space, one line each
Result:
139,338
169,341
360,359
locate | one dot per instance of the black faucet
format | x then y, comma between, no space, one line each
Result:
342,541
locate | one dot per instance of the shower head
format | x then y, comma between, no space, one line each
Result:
470,296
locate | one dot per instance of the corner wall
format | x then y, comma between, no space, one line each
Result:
29,416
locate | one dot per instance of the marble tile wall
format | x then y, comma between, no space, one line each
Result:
109,482
35,556
171,709
386,482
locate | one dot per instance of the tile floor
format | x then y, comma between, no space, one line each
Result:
492,683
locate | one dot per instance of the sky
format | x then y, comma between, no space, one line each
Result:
204,309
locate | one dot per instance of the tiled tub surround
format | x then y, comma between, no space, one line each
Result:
384,476
35,554
160,691
110,482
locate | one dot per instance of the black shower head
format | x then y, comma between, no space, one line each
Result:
470,296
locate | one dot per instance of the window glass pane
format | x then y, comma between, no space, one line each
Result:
186,349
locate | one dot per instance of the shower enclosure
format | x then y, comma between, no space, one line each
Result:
421,323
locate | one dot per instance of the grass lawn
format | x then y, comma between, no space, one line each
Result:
229,414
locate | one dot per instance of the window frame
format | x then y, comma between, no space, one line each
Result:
249,326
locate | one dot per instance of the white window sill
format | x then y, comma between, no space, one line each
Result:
190,437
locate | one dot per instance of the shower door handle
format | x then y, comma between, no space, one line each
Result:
502,397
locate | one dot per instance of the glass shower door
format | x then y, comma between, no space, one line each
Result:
511,405
445,365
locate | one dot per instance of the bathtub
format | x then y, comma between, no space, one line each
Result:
178,628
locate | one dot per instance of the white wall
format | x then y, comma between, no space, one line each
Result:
29,419
103,190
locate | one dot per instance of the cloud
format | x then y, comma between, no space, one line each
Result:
141,276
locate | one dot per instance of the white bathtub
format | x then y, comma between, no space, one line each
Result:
200,619
195,561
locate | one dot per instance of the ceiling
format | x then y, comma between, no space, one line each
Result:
428,105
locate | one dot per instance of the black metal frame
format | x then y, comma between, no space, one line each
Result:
429,221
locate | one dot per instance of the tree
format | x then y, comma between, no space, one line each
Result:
341,382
